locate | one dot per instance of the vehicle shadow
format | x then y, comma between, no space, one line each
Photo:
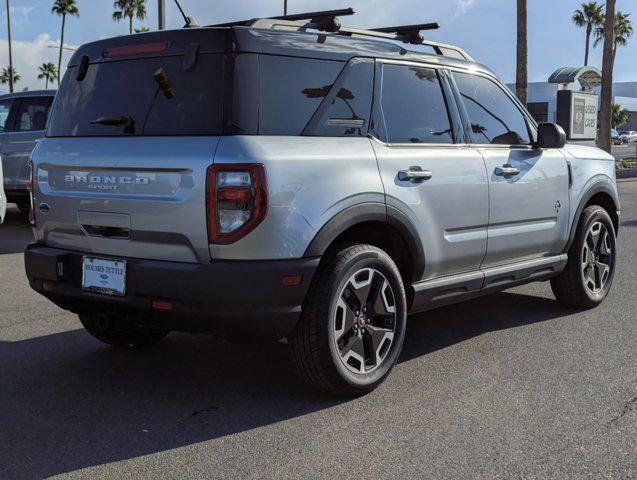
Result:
15,232
67,402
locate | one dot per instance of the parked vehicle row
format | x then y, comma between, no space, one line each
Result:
628,136
23,118
301,180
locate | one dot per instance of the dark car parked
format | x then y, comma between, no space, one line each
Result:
23,118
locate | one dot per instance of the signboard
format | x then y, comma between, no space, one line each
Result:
577,114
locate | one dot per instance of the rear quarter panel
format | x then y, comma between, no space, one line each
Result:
310,180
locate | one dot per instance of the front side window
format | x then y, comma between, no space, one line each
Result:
413,106
33,114
5,110
494,117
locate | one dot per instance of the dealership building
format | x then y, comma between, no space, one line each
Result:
543,96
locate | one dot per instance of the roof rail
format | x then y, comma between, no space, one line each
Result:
327,21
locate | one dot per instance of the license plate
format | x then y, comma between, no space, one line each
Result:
104,276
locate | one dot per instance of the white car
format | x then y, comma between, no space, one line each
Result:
3,199
629,137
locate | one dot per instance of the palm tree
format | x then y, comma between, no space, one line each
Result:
619,115
64,8
48,72
623,31
521,77
9,75
129,9
605,114
9,39
590,15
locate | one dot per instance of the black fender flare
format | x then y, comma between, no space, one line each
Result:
600,186
371,212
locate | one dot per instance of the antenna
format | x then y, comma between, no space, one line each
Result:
190,22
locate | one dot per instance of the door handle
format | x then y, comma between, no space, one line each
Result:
414,175
506,171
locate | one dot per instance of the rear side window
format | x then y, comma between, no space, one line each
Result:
5,110
346,107
33,113
494,117
413,106
127,89
291,89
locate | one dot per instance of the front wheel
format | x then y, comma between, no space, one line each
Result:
24,206
353,324
589,273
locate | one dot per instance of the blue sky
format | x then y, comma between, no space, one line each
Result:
485,28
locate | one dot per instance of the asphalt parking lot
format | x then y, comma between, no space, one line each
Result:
507,386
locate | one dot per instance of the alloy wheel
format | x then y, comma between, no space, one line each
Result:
597,258
364,321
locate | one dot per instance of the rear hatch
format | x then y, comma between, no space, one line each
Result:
132,133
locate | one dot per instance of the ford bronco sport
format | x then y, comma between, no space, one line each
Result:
293,178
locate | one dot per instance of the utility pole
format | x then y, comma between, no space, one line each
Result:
285,7
162,14
10,53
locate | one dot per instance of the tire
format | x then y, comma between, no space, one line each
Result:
24,207
332,348
584,283
121,337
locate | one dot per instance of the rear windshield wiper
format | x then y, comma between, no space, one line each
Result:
124,121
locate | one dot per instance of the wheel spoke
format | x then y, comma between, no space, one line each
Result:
593,236
382,300
354,349
603,272
345,318
589,276
376,345
361,284
604,244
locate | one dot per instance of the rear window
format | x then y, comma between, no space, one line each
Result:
127,89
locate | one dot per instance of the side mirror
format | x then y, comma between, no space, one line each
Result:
550,135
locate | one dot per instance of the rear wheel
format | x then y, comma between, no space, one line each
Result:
353,324
591,262
99,326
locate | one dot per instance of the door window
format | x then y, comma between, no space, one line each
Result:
33,114
413,106
495,118
5,109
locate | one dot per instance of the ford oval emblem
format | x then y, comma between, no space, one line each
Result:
104,276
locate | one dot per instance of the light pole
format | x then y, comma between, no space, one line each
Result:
162,14
285,7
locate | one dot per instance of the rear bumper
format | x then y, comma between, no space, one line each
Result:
221,297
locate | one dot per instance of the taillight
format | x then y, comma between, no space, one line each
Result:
237,200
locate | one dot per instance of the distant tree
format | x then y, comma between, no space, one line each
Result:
623,32
620,116
63,8
591,16
9,76
48,73
521,76
129,9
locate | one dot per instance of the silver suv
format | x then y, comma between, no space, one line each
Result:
297,179
23,119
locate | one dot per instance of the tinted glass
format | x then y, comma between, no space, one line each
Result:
494,118
346,108
291,89
414,106
33,114
5,109
127,89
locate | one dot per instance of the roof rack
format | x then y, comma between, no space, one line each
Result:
411,33
327,21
